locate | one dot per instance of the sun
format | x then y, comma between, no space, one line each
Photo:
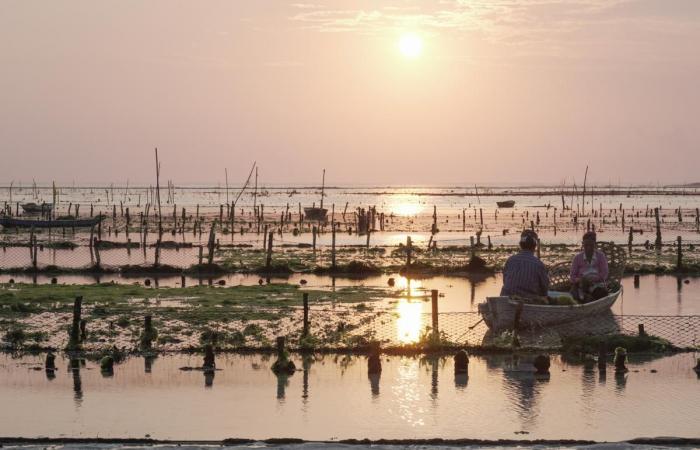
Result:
411,45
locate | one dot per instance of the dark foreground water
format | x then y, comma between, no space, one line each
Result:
333,397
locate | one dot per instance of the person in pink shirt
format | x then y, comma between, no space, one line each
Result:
589,271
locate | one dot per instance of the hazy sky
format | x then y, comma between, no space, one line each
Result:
504,90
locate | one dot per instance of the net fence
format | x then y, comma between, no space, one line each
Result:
181,328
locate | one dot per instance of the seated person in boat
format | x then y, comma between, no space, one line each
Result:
524,275
589,271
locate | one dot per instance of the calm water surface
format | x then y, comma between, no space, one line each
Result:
333,397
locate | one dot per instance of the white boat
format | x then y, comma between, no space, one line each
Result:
501,313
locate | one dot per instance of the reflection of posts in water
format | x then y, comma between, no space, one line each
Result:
461,380
473,292
433,361
209,378
374,383
74,367
602,357
461,362
282,383
620,382
306,365
434,378
148,362
50,365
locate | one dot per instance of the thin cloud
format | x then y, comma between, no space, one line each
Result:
498,20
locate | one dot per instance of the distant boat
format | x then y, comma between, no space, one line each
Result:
34,208
9,222
316,214
506,204
319,214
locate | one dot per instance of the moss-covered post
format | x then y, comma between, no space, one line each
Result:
90,244
209,358
83,330
50,362
620,360
461,360
542,364
107,365
211,243
642,332
657,243
96,247
333,263
149,333
629,242
314,232
305,330
409,250
434,312
74,340
268,260
283,365
374,362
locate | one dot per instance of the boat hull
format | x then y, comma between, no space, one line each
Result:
316,214
506,204
499,313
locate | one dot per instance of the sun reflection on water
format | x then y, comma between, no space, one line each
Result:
410,321
410,310
404,205
411,288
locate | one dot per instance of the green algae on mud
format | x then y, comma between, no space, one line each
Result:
590,345
14,297
38,316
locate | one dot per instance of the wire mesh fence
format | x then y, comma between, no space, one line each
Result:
181,326
468,328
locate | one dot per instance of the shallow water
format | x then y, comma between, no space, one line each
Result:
333,397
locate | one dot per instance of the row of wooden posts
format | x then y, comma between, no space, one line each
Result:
78,333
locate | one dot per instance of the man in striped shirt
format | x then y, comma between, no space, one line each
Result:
524,275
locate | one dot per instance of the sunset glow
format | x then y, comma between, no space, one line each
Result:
411,45
409,322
